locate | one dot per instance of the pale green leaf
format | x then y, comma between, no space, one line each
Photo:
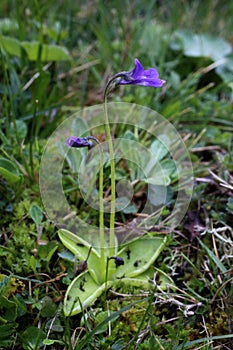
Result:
9,170
139,255
225,70
82,292
80,248
34,49
145,279
201,45
159,150
36,214
157,194
46,52
10,45
21,129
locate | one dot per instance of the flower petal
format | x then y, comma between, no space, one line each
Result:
138,69
140,76
151,73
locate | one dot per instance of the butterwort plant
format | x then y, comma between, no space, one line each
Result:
130,263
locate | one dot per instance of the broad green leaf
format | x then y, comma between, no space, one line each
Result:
157,176
159,150
83,290
201,45
9,170
67,256
139,255
48,52
157,194
225,70
169,168
10,45
160,179
8,309
75,244
49,308
33,338
80,248
21,127
154,170
36,214
130,209
34,49
145,278
161,173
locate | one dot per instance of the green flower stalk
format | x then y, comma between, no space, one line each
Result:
112,170
88,141
137,76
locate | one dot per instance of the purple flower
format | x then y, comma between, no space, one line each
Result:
79,142
140,76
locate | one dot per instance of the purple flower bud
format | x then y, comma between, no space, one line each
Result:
79,142
140,76
118,261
